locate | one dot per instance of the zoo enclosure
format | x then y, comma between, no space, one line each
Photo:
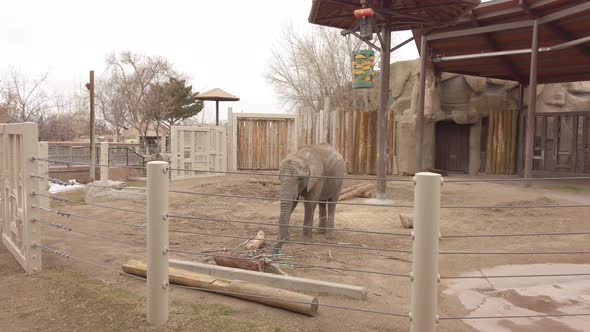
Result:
24,163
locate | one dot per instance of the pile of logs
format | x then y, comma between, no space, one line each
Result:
359,190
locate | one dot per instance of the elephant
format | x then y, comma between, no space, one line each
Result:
315,173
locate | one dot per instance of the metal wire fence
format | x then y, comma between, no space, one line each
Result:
201,221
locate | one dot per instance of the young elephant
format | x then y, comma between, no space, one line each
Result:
314,173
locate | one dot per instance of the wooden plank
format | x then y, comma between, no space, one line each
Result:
585,143
556,141
275,297
514,126
362,146
543,142
369,140
504,144
273,280
495,142
574,148
489,143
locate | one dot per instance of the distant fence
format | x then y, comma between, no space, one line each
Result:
352,133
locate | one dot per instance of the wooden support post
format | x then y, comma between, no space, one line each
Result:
157,242
217,112
420,108
104,163
520,116
382,115
530,128
92,138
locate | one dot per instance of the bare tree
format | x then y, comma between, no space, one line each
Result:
133,74
306,67
27,98
309,66
111,105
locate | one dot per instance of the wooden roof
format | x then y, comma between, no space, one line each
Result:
503,25
218,95
401,14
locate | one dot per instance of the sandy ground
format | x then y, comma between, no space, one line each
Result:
386,293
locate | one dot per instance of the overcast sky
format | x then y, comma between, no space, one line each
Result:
223,44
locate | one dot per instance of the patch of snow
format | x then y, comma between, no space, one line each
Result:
58,188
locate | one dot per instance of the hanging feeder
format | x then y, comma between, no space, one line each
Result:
362,69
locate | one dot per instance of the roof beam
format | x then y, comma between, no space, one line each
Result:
494,46
513,25
563,34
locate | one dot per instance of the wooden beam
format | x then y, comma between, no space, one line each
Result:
275,297
531,118
494,46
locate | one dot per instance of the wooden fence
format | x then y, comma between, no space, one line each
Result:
352,133
501,142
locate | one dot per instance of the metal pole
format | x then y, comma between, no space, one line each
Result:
530,121
420,108
92,138
157,242
423,317
217,112
382,115
104,161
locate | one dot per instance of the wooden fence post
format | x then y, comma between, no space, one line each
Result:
32,230
43,171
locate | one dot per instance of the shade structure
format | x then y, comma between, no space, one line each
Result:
217,95
399,14
390,15
505,28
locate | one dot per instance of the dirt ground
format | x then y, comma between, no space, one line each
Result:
78,296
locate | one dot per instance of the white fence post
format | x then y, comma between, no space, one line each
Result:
425,252
43,171
157,242
32,231
104,162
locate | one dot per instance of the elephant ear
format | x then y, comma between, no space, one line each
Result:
315,171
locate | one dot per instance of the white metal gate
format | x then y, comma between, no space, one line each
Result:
197,149
18,146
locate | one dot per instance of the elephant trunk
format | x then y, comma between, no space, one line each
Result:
289,194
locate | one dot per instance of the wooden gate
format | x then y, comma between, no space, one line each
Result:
452,147
263,140
562,142
197,149
18,146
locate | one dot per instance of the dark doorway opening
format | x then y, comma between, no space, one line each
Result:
452,147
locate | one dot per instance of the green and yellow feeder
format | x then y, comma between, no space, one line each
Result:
362,69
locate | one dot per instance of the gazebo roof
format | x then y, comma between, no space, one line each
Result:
401,14
217,95
505,26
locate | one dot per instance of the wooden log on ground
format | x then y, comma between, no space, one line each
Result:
243,263
264,181
274,280
362,189
351,188
275,297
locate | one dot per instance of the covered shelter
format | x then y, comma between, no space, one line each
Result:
389,15
528,41
217,95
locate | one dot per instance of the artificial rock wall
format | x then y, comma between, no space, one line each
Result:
460,99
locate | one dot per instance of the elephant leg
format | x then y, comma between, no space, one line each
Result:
322,225
308,220
330,222
294,206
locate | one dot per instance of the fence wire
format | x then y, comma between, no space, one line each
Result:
518,276
514,253
204,254
468,236
317,244
69,256
514,316
342,230
63,199
66,162
69,229
68,214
